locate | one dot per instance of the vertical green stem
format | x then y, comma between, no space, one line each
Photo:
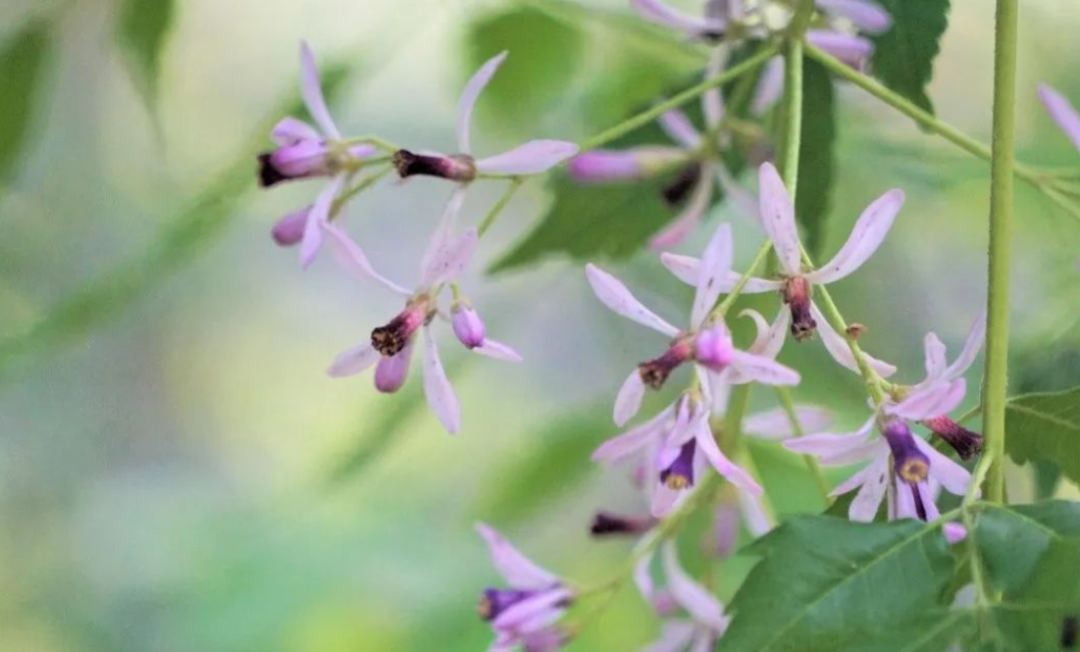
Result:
1001,209
793,86
788,403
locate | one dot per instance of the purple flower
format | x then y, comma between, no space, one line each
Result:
533,157
707,621
523,614
1062,112
390,346
710,26
606,165
795,284
868,17
714,352
304,152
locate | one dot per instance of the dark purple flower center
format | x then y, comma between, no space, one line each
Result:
391,339
459,167
675,192
911,464
269,175
680,473
654,373
966,443
495,601
796,294
606,523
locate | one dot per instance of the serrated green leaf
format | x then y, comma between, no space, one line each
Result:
816,157
22,70
544,57
143,32
904,56
824,581
1045,426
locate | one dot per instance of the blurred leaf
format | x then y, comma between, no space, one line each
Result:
191,231
142,32
1047,478
541,475
828,584
904,56
1013,539
544,56
816,157
1046,426
22,70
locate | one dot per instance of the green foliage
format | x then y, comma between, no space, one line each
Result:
142,32
904,56
1046,426
816,157
825,583
545,54
22,70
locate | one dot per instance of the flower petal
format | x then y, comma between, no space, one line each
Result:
755,518
838,348
679,128
352,258
837,449
628,401
770,87
440,395
665,499
634,439
533,157
311,89
444,230
712,102
933,400
317,220
291,131
868,17
778,218
688,219
660,13
698,601
876,482
735,195
450,261
497,350
776,424
472,91
613,294
519,571
953,477
770,337
972,345
934,355
715,266
675,635
688,270
534,613
1062,112
735,475
352,361
852,50
756,368
866,236
954,532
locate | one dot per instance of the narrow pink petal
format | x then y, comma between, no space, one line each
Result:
628,401
934,355
954,532
953,477
472,91
867,235
318,218
497,350
443,234
838,348
712,102
613,294
352,361
352,258
675,635
744,201
867,502
770,337
715,266
755,518
643,577
763,370
725,467
533,157
933,400
311,89
519,571
835,449
770,87
660,13
440,395
852,50
778,218
775,423
450,261
696,599
535,613
691,215
719,387
972,345
634,439
688,270
664,500
903,503
705,638
291,131
867,16
1062,112
679,128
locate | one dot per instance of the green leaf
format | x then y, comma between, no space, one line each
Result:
142,32
904,56
816,157
545,54
1013,539
1046,426
825,583
540,475
23,61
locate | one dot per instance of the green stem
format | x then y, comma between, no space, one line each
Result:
788,403
1001,209
497,209
647,116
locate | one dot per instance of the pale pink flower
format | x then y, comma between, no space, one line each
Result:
706,621
390,347
1062,112
796,285
304,152
533,157
706,342
524,614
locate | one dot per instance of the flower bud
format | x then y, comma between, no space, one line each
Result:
391,372
455,168
468,327
289,230
604,165
796,293
966,443
714,348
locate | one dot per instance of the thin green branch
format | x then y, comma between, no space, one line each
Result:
788,403
497,209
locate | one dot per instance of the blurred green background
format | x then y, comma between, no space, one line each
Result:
183,476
